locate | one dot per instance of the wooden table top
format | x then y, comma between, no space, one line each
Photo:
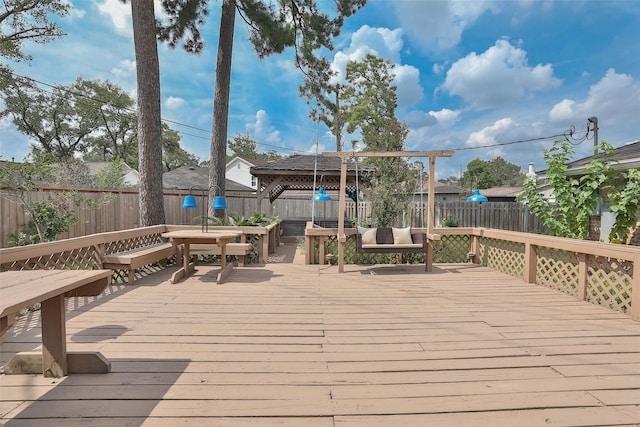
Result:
22,288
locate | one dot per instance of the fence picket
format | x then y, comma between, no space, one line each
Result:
123,211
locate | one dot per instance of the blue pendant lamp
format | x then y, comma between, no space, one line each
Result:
477,197
189,202
321,196
220,202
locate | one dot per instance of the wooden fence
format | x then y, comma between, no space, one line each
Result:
118,209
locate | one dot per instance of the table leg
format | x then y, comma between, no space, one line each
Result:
223,254
54,337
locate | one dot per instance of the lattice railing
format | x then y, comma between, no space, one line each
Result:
451,248
609,283
557,269
84,258
503,255
136,242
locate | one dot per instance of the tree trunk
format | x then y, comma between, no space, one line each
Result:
218,161
149,121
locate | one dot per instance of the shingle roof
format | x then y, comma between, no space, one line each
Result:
629,151
186,177
501,191
306,164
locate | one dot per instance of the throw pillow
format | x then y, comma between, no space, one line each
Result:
402,236
369,236
362,230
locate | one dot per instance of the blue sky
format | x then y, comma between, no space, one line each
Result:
473,75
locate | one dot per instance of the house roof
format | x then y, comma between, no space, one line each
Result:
442,188
254,162
186,177
625,157
501,191
96,167
303,171
307,164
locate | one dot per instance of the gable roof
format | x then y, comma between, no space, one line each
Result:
624,157
302,171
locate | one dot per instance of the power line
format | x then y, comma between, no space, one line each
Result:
568,135
133,110
520,141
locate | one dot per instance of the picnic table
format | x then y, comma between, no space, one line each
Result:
24,288
185,238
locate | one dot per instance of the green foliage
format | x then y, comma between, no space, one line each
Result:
451,222
48,217
256,219
173,155
29,20
493,173
111,176
370,104
246,147
625,202
577,198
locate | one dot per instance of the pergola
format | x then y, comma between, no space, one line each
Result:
307,172
344,156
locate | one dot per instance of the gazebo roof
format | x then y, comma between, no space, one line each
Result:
298,171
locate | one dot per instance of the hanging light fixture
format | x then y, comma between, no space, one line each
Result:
189,202
477,197
321,196
220,202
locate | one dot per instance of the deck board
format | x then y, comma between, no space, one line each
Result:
288,344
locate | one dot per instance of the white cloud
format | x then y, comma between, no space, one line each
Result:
120,14
126,68
446,117
381,42
488,135
262,130
75,12
175,103
497,77
386,44
615,99
438,24
419,119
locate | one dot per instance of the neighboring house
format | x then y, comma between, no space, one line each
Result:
131,177
444,193
501,194
239,170
186,177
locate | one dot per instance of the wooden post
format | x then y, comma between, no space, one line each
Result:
635,289
342,238
582,276
54,337
530,260
431,217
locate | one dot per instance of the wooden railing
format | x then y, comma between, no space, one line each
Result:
601,273
85,253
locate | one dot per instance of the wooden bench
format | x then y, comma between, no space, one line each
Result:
137,258
24,288
241,250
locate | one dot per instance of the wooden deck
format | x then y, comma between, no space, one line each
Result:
289,344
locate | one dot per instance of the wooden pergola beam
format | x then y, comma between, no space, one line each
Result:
345,155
